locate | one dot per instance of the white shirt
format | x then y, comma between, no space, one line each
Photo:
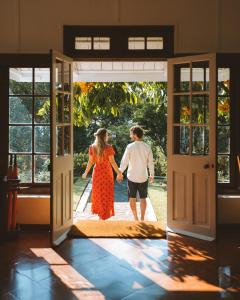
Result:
137,157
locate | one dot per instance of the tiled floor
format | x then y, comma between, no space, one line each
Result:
176,268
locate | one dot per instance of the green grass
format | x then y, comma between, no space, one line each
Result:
158,196
79,185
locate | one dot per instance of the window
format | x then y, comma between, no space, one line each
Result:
136,43
89,43
191,108
154,43
29,122
83,43
223,125
145,43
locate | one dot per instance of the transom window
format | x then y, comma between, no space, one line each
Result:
89,43
29,122
145,43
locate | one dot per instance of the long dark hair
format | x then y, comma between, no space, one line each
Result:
100,142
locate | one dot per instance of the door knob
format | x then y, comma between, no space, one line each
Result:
206,166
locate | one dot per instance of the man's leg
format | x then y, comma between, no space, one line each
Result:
143,205
133,208
143,191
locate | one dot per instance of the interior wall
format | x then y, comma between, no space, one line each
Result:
200,25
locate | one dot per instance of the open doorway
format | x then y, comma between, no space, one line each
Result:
118,95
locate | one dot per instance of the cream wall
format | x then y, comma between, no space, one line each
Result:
200,25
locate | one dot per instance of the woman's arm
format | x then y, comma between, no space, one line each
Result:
89,166
115,167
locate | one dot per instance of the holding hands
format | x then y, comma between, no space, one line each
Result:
119,177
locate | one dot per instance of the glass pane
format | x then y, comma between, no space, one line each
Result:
25,168
136,43
154,43
182,112
223,110
200,140
200,109
59,108
182,78
20,110
223,168
42,110
83,43
20,138
67,139
67,108
181,139
101,43
20,81
42,81
59,140
58,75
67,76
223,139
42,139
200,76
223,81
41,170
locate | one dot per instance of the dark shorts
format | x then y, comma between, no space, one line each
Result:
134,187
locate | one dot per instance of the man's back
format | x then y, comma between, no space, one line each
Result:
137,156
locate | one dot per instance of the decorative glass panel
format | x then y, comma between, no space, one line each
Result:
59,140
58,75
223,134
223,110
59,108
25,168
200,76
42,110
182,78
101,43
20,139
41,168
136,43
154,43
67,76
42,139
83,43
223,81
181,139
20,81
200,109
182,112
223,168
67,139
67,108
20,110
200,140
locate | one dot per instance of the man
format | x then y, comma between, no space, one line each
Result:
138,158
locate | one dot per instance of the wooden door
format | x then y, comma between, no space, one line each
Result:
61,147
192,145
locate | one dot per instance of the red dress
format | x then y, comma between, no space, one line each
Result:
103,184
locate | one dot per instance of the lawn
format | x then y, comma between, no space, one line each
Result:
158,196
79,185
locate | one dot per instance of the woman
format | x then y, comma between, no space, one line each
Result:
102,155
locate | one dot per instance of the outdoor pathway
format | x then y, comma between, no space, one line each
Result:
121,205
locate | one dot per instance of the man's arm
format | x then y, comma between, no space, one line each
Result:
125,160
151,166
